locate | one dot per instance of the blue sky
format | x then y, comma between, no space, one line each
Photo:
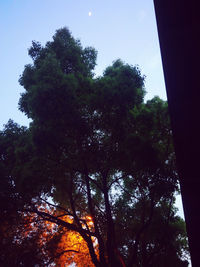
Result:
123,29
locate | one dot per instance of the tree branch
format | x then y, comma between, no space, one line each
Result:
57,206
131,195
142,229
95,182
60,254
54,219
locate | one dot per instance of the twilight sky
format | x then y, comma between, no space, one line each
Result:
124,29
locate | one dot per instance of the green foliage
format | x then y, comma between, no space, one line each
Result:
95,148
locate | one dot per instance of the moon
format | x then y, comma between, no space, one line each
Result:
89,13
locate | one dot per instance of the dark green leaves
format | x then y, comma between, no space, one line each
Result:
95,148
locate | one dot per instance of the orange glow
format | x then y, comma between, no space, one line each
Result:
89,218
78,251
76,246
71,247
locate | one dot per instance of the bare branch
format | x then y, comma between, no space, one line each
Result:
126,191
57,206
55,219
95,182
115,181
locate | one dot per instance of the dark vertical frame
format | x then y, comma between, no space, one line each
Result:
178,25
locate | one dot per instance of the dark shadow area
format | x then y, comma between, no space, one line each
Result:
178,28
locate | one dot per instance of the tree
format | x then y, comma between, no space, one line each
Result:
95,150
20,234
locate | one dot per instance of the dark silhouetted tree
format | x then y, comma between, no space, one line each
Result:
93,148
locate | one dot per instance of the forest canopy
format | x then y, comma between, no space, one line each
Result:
93,179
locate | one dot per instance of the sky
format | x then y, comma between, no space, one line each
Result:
124,29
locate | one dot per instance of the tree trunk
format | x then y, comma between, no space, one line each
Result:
113,257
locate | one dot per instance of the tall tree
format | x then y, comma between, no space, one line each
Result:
94,148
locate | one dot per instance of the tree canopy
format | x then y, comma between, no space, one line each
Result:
92,180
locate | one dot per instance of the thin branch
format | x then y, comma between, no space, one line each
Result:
55,219
60,254
139,233
115,181
95,182
126,191
57,206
